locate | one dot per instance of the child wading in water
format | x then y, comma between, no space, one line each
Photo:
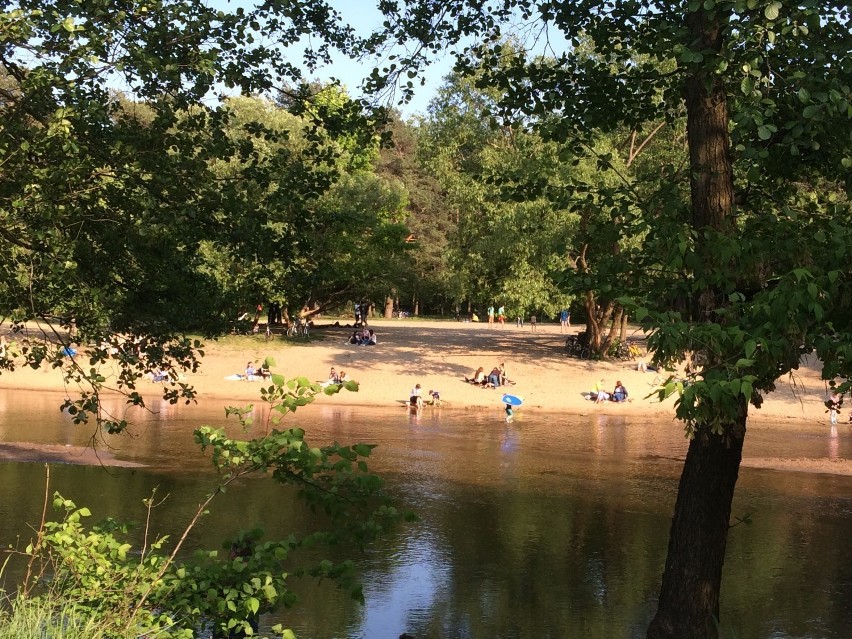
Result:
833,405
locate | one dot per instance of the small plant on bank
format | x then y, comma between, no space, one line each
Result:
155,591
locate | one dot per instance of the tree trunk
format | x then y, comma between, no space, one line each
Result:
593,329
388,307
689,596
614,320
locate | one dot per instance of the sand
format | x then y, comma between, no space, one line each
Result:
438,355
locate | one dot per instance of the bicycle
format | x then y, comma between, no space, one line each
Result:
576,347
624,351
292,329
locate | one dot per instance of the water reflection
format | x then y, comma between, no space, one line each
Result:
550,526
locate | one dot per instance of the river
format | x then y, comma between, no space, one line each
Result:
552,526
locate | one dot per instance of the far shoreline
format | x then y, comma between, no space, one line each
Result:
438,354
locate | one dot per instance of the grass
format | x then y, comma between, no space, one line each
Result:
41,618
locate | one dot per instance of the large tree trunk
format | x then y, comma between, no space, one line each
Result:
689,596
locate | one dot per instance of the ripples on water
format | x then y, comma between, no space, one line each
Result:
552,526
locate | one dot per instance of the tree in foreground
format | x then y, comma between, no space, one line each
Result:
122,166
91,576
748,274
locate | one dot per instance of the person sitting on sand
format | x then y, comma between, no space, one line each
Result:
478,377
494,377
619,394
435,397
598,392
356,338
250,372
372,340
504,380
333,378
415,399
343,377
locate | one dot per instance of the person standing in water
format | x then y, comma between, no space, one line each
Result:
833,404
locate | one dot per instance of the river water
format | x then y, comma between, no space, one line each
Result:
552,526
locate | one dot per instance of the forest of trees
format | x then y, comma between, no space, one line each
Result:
683,165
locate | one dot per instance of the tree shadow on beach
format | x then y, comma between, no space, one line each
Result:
453,341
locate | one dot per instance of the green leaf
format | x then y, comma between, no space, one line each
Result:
772,11
813,291
363,450
253,604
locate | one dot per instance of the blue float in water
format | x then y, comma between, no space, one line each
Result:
512,400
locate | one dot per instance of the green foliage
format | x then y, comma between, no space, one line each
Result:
27,618
138,204
503,246
124,591
740,274
714,286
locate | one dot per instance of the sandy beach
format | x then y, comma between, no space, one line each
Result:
438,355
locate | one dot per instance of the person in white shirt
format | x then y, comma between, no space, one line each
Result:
415,398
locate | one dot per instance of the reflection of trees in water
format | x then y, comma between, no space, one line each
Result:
529,564
531,533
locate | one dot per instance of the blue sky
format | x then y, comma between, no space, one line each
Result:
363,16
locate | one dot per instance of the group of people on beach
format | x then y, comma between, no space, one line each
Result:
364,337
255,371
599,394
499,317
335,377
497,377
415,397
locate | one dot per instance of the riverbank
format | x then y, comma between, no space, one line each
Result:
438,355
